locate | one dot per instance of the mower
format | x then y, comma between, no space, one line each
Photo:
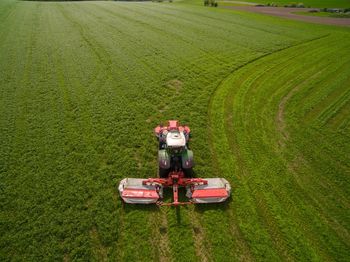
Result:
175,161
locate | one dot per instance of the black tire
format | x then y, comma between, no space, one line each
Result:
188,172
163,173
162,145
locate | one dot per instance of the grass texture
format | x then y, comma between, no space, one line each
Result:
82,86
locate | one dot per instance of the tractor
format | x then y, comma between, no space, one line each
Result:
174,153
175,163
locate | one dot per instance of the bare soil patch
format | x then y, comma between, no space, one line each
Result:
288,13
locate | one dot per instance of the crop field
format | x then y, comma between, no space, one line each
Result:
83,84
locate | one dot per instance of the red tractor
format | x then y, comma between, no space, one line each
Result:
175,161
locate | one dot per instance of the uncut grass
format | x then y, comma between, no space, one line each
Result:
83,86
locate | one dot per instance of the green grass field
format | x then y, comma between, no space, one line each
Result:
83,84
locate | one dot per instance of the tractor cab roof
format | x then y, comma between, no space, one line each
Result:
175,139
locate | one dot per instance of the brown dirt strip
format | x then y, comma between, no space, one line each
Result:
287,13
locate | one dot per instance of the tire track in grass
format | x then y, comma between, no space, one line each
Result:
198,244
215,160
278,76
321,228
229,117
322,69
149,68
324,96
202,246
164,243
199,240
182,242
223,16
325,181
281,125
120,247
247,63
126,228
332,110
157,28
6,16
217,31
252,94
314,238
32,156
244,249
239,162
66,107
296,167
11,86
165,35
109,67
320,93
264,212
160,237
325,90
328,74
318,203
127,52
51,115
342,115
99,52
13,62
258,77
75,93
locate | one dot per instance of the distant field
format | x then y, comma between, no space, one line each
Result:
83,84
312,3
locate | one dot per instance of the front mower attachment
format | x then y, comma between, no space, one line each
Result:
134,191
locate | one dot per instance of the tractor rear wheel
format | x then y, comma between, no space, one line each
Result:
163,173
188,172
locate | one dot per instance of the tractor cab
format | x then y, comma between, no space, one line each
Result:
173,135
175,139
175,142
